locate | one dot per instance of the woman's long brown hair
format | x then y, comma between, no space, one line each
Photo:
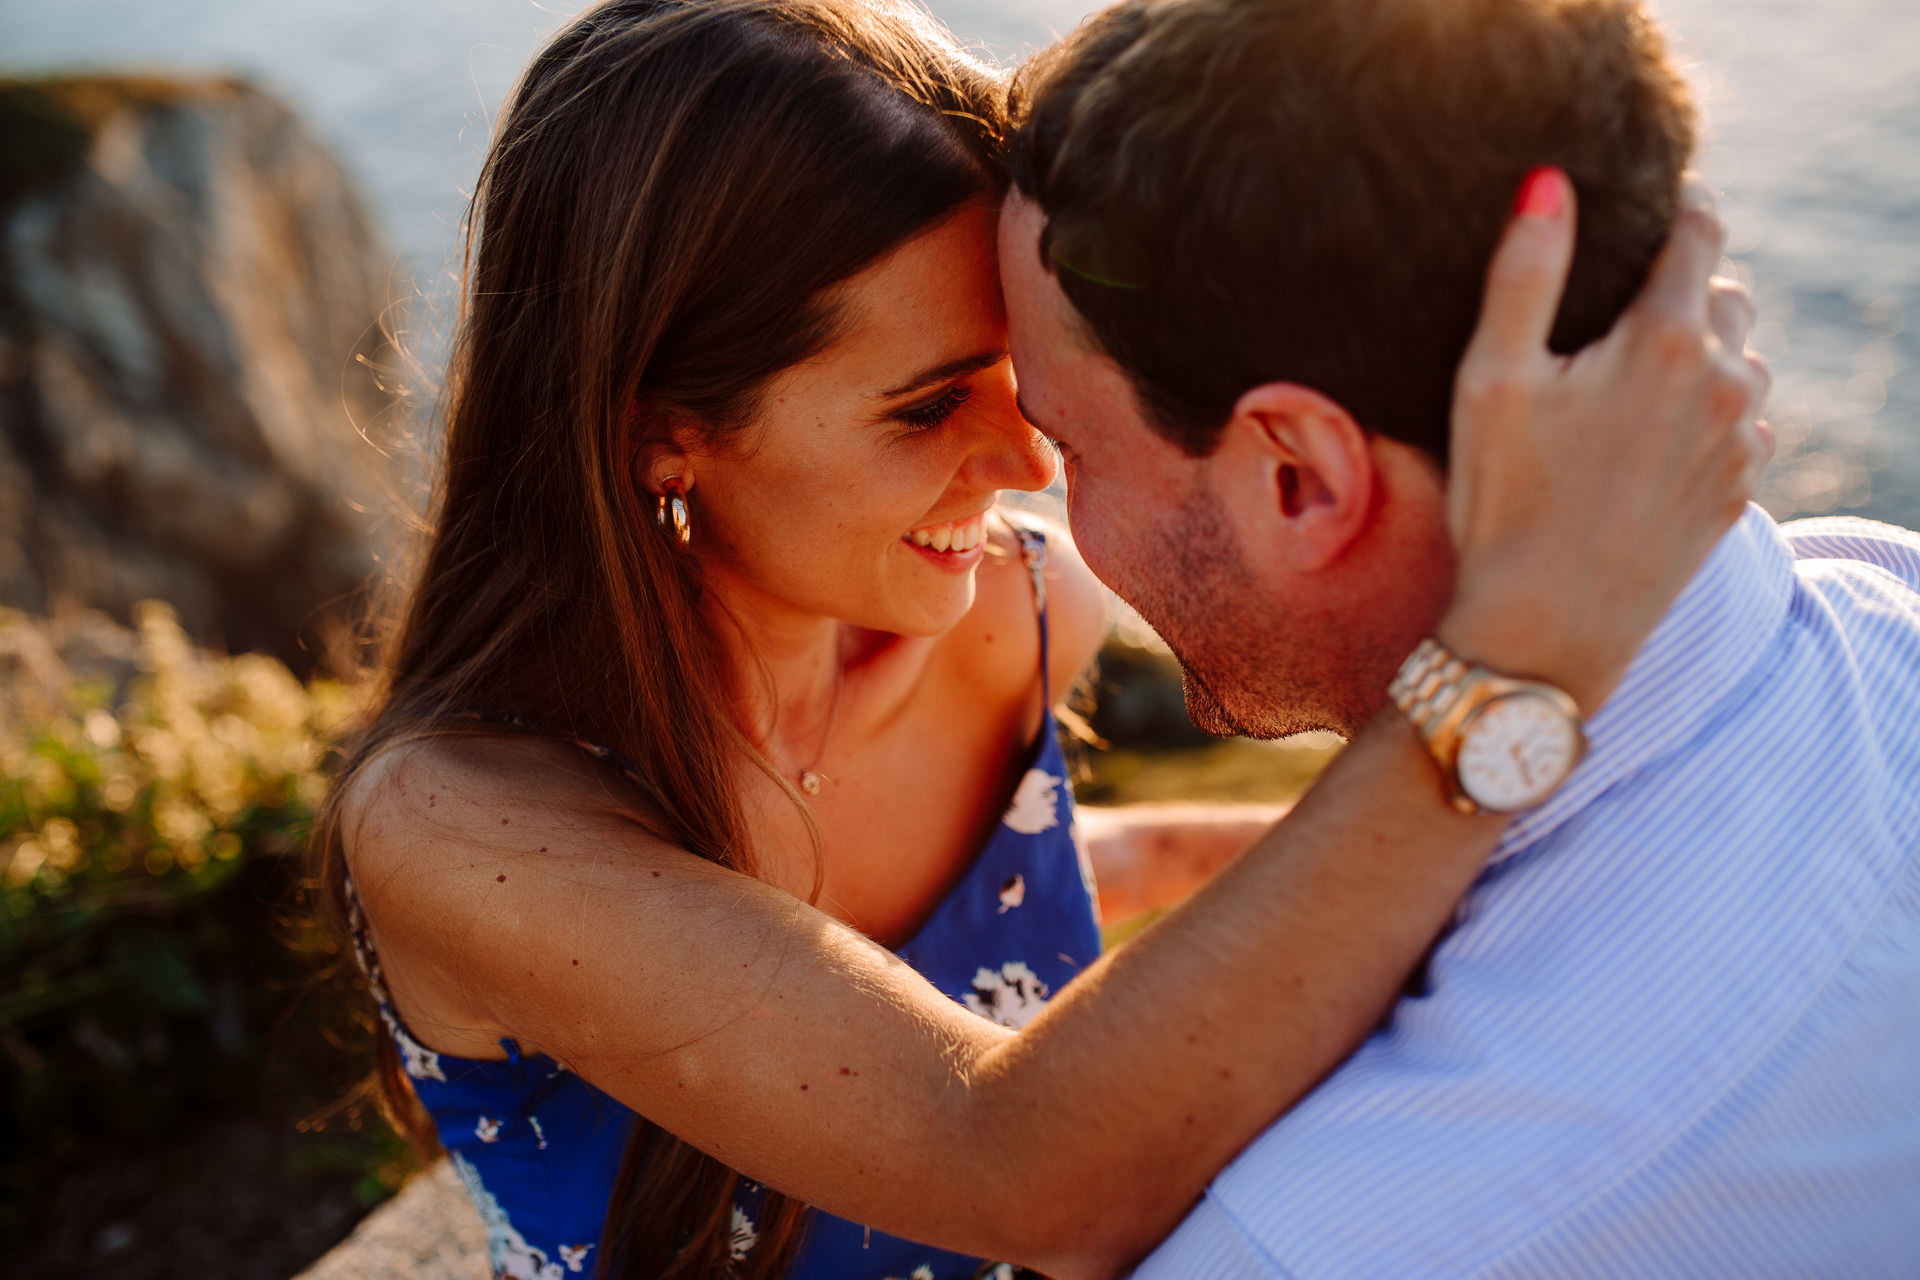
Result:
669,199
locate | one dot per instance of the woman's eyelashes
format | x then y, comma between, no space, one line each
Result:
934,413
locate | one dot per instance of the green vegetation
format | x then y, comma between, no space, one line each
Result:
173,1064
151,819
1222,772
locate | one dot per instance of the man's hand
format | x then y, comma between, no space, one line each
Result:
1586,490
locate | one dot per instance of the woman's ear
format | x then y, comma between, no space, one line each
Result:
659,468
657,461
1313,467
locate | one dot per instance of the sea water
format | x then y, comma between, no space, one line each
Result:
1813,136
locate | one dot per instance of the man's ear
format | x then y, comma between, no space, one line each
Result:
1314,468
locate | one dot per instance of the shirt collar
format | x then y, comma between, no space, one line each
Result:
1704,647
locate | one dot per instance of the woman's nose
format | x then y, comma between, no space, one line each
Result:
1013,455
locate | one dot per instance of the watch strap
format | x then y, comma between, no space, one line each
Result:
1439,693
1429,686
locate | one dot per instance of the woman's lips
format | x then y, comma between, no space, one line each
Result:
955,544
955,537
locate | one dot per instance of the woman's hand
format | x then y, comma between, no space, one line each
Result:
1586,490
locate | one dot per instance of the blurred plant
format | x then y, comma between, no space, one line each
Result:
153,802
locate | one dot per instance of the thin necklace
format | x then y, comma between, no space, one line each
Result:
811,778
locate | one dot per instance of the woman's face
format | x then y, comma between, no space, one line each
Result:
860,492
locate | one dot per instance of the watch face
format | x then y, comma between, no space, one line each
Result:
1516,750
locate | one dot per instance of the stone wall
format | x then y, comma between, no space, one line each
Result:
429,1231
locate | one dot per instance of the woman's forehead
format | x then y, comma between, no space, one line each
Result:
933,301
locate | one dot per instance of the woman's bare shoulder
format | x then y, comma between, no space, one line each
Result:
1078,606
450,792
998,642
479,860
508,896
447,815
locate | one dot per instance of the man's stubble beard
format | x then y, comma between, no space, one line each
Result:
1241,673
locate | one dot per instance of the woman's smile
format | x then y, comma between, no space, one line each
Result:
953,545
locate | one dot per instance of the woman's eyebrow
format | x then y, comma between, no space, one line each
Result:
941,373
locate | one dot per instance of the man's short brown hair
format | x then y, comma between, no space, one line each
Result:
1248,191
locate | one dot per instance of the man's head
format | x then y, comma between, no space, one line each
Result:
1243,259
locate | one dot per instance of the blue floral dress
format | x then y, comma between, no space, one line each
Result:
538,1147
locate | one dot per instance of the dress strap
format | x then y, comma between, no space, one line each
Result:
1033,552
362,939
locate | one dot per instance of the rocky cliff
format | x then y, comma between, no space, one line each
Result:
191,307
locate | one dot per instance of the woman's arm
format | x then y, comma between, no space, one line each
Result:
1154,855
508,895
513,896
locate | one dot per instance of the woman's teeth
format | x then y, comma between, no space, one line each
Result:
962,535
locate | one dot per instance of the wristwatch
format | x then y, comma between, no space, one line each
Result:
1503,745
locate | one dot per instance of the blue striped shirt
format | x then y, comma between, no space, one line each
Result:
1676,1029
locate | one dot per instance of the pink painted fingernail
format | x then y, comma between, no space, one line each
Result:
1540,195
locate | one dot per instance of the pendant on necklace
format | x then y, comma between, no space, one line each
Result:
810,783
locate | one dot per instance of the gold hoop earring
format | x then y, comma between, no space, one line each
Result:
672,514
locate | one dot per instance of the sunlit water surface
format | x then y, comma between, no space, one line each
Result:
1813,111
